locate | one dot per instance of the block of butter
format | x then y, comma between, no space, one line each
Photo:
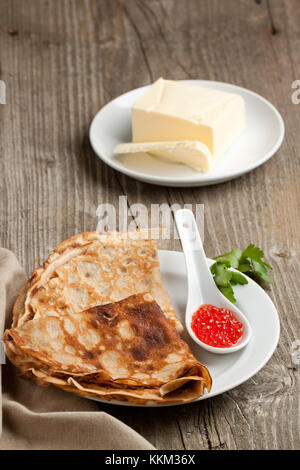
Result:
176,111
194,154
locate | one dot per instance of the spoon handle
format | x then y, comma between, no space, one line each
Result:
198,272
201,285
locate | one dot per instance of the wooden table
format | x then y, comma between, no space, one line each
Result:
61,61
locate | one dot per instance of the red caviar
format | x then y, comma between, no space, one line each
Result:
217,327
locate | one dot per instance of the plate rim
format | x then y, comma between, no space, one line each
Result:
225,389
197,181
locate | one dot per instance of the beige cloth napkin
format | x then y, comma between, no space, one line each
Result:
34,417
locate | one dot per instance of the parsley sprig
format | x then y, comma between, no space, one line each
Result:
249,262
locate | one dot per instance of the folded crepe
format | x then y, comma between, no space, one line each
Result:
125,351
90,269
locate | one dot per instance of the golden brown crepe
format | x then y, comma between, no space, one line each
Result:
91,269
96,320
125,351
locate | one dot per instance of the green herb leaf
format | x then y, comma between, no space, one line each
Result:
237,278
249,262
232,258
244,266
228,292
255,254
262,272
222,275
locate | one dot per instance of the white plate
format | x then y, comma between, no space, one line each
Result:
227,370
261,139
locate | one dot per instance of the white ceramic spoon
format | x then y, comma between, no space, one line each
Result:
201,286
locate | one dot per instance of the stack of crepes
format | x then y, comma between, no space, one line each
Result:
96,320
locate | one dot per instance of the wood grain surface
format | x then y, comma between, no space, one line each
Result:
61,61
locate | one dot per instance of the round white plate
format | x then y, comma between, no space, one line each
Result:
227,370
260,140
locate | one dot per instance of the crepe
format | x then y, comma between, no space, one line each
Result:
91,269
126,351
96,320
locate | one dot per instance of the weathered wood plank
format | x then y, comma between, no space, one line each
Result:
61,61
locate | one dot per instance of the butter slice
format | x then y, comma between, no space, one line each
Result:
194,154
175,111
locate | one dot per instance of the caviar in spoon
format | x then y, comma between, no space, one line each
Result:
217,327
